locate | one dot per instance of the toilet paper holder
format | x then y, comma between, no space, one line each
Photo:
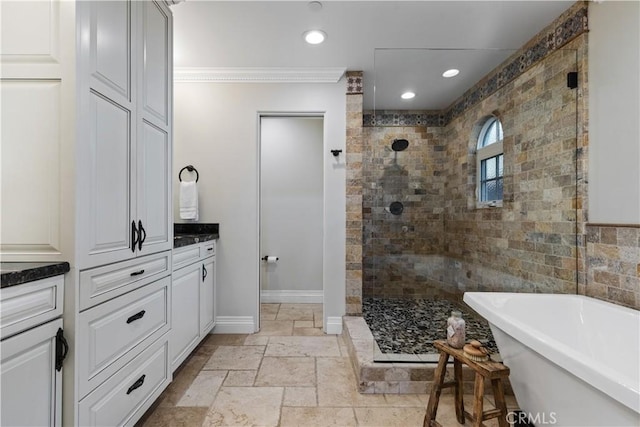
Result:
266,258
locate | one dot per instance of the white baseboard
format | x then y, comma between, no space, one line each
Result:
334,325
291,297
234,325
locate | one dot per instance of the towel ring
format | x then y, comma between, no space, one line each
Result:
190,168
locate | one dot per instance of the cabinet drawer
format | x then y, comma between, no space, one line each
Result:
103,283
185,256
30,304
124,397
110,334
208,249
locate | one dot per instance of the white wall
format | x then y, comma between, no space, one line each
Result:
614,112
215,129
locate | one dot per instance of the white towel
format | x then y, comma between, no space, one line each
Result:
188,200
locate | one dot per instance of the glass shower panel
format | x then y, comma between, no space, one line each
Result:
420,259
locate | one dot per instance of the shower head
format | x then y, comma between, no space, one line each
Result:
399,144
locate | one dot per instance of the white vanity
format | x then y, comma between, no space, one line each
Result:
193,298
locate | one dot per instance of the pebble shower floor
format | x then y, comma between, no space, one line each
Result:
409,326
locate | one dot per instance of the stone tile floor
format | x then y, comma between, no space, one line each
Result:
288,374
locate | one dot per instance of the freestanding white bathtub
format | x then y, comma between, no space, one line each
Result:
574,360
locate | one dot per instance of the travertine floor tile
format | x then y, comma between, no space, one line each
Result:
175,417
303,323
205,350
286,371
404,400
317,417
275,327
240,379
317,319
308,332
236,357
300,396
295,312
269,311
183,378
283,381
245,406
446,415
326,346
390,417
256,340
224,339
203,389
512,403
337,385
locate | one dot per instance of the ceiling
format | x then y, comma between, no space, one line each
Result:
400,45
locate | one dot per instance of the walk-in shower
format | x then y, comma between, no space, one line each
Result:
419,261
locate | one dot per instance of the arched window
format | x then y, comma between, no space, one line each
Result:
490,163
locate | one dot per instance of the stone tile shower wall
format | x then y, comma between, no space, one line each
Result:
415,178
353,280
529,244
613,264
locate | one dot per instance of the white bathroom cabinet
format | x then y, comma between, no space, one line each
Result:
193,298
125,128
97,75
31,384
124,221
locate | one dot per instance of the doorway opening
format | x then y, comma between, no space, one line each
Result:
291,222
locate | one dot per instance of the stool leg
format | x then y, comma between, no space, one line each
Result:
434,397
478,395
498,396
457,375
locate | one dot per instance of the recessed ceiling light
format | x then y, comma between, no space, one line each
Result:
408,95
451,73
314,6
314,36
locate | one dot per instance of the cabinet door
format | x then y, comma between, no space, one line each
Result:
153,163
185,326
31,387
106,187
154,190
207,296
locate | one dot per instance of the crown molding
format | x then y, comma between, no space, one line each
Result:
257,75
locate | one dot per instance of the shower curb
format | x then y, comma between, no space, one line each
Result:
394,377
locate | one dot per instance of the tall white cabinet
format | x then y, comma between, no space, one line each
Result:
87,104
125,229
125,127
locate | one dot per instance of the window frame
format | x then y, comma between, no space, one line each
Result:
484,153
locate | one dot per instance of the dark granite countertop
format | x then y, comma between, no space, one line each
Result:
16,273
186,234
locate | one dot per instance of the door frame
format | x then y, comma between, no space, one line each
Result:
289,114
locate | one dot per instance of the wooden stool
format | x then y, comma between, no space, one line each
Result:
492,371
